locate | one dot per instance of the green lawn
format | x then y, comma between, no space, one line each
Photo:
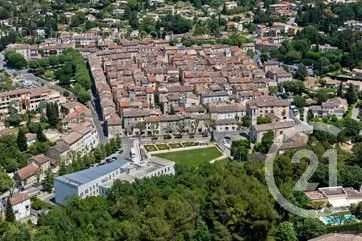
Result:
192,158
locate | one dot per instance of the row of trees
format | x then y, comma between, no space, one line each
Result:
72,72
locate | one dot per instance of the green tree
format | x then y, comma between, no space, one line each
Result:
246,121
322,96
14,119
15,60
175,23
263,120
266,142
351,95
294,86
9,213
133,19
52,114
82,94
148,25
63,169
78,19
5,181
309,228
340,90
299,101
237,39
240,150
286,232
48,181
38,148
21,140
301,72
40,135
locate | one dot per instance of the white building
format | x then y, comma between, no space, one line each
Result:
82,139
338,197
227,111
20,205
214,97
97,180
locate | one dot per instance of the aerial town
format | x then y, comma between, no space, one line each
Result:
147,120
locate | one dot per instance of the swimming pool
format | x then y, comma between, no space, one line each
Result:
338,219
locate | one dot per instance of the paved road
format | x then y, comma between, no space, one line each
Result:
97,123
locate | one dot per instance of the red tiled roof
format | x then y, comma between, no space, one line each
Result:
28,171
18,198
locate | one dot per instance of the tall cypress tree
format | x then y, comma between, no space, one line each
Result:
21,140
340,90
351,95
9,214
52,114
40,135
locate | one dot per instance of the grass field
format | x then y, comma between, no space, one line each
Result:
192,158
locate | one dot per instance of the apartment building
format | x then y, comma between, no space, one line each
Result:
82,138
268,106
224,111
28,99
332,107
20,205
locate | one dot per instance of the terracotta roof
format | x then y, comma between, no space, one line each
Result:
114,120
28,171
268,101
226,108
60,147
72,138
18,198
41,159
275,126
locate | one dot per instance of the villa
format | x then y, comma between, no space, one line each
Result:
338,197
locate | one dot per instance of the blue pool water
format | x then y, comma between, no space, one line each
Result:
338,219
